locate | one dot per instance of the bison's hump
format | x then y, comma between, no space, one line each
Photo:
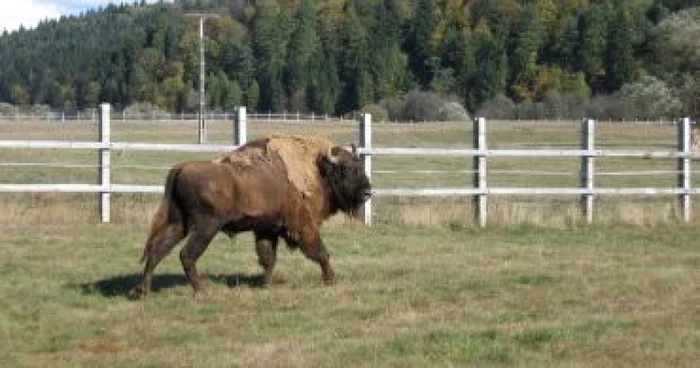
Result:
297,153
243,157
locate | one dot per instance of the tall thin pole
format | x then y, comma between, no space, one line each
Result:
202,96
105,163
202,124
587,168
684,174
240,132
479,164
366,144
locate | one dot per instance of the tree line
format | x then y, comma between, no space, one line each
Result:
400,59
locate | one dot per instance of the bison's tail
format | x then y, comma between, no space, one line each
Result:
166,213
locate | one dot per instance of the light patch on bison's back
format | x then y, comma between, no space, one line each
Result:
299,156
242,157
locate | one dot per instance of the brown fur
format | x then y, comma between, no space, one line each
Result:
279,187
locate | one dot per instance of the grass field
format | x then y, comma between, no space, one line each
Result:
406,297
423,287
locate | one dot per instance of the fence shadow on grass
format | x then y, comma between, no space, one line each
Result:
121,285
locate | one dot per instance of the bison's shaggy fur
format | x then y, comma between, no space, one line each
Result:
296,152
278,187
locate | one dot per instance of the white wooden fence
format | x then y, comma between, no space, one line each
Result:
587,191
480,190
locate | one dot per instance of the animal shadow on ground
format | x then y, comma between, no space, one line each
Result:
121,285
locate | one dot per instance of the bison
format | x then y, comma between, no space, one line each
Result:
276,187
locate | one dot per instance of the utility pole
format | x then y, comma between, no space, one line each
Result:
202,123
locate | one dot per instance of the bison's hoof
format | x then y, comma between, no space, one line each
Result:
199,294
135,294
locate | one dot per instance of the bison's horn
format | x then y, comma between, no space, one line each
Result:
331,157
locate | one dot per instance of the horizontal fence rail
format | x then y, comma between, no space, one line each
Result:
442,192
527,153
158,117
480,191
133,146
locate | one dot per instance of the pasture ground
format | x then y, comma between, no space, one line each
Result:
406,297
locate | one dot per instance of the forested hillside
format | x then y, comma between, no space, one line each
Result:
396,58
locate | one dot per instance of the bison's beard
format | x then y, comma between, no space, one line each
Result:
353,212
347,198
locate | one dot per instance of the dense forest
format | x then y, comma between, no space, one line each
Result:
399,59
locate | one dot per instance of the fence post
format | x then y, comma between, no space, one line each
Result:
104,163
366,155
684,168
480,171
587,168
240,128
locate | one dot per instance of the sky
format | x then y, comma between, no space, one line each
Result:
30,12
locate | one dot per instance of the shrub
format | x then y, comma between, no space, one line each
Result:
499,107
603,107
7,109
649,98
379,114
393,107
421,106
40,109
453,111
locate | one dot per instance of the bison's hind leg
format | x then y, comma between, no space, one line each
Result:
201,235
266,247
158,246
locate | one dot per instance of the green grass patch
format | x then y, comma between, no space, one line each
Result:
580,333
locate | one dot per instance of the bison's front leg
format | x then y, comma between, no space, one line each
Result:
266,247
315,250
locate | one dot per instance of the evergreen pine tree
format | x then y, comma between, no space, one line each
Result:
619,54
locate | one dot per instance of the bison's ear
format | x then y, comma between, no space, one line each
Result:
354,149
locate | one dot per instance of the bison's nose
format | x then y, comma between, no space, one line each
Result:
368,194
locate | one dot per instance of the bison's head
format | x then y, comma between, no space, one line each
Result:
345,176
